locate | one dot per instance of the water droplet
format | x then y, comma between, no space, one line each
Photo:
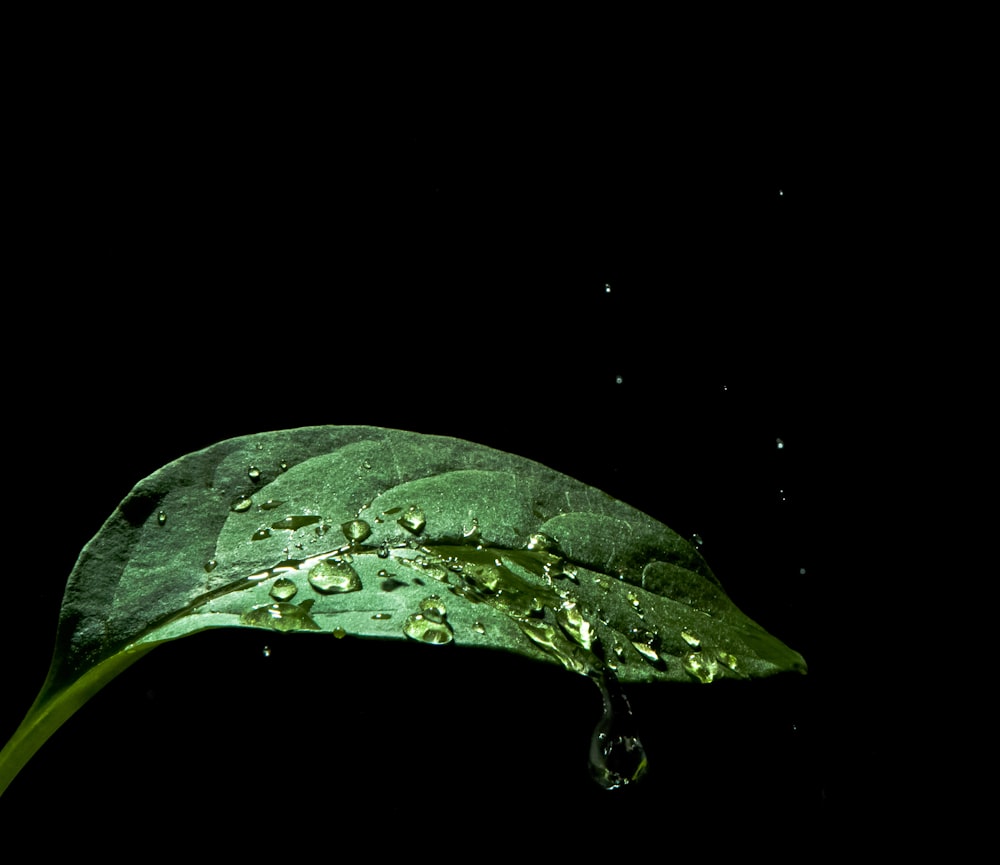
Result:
540,542
617,756
381,617
260,534
780,444
607,288
334,576
210,566
339,633
633,599
283,466
296,521
270,505
472,535
383,550
691,639
281,616
161,518
283,589
356,530
574,623
267,651
241,504
253,473
728,659
700,667
618,379
430,625
697,539
413,520
479,627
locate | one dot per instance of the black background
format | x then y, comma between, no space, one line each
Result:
221,253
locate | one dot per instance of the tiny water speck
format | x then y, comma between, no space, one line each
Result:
780,444
618,379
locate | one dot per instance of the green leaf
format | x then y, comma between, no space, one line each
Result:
387,534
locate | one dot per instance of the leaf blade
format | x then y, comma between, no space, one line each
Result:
449,541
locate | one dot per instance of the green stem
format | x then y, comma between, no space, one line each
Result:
55,703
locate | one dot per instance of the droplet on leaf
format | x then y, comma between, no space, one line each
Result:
356,530
281,616
283,589
334,576
241,504
413,520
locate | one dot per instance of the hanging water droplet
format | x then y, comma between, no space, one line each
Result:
253,472
283,589
296,521
617,756
413,520
281,616
161,518
356,530
241,503
430,625
260,534
366,465
210,566
339,633
334,576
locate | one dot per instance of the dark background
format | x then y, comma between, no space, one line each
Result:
221,253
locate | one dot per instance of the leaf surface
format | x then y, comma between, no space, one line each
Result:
387,534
